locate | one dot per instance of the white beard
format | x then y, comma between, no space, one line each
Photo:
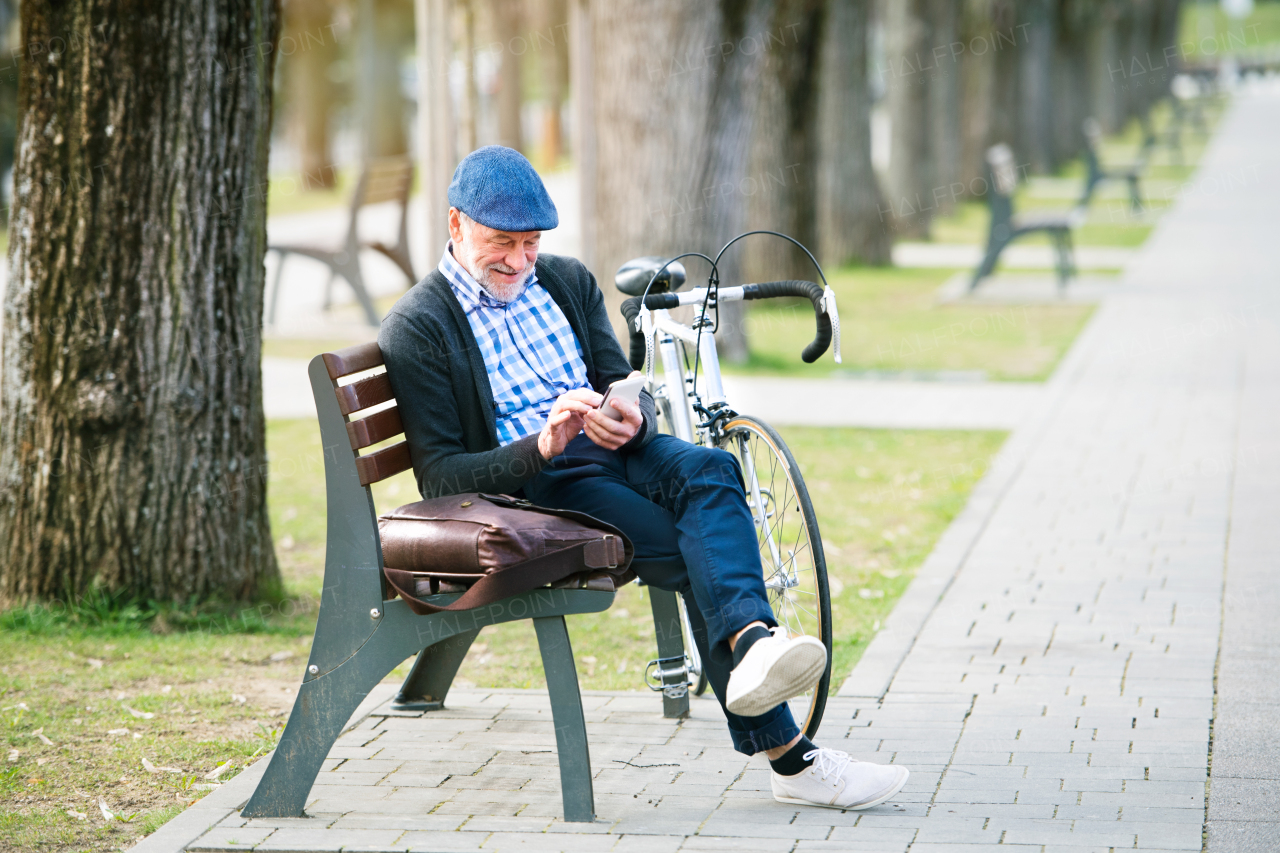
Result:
499,290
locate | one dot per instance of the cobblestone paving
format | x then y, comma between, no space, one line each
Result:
1057,689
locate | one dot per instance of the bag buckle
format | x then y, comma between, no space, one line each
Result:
602,553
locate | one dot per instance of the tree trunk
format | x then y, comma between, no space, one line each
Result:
782,187
385,27
977,91
469,108
552,43
852,223
1036,105
1108,67
911,174
508,29
944,103
132,449
309,44
673,130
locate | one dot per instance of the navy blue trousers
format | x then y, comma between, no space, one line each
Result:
684,509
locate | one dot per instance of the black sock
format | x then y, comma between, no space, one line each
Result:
792,761
747,640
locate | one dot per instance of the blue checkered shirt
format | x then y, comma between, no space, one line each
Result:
530,352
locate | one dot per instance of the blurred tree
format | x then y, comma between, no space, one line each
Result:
386,33
851,228
508,17
552,43
1035,83
132,451
311,50
911,173
782,186
671,87
944,102
469,108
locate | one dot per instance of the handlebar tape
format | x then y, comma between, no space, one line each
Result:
807,290
765,290
631,310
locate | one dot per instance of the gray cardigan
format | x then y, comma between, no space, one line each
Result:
442,388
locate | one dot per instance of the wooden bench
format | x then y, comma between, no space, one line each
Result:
385,179
362,634
1096,173
1007,226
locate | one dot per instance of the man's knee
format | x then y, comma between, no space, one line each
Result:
719,467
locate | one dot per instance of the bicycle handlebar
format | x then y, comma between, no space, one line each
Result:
630,310
807,290
765,290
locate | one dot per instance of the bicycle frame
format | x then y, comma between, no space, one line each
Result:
683,398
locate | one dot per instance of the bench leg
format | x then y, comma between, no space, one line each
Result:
666,623
432,674
988,265
323,707
567,716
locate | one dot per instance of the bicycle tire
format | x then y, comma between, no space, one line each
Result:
805,576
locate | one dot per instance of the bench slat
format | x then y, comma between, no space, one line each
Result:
354,359
383,463
363,394
377,427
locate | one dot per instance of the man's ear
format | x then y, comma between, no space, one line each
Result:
455,226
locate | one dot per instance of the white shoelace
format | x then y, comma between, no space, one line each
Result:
829,762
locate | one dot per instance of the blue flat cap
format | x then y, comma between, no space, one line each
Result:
498,187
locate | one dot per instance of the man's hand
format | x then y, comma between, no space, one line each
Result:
611,434
566,420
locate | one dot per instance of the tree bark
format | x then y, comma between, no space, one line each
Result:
852,222
309,43
132,450
672,80
911,172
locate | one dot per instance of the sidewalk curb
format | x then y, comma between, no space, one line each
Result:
876,669
207,812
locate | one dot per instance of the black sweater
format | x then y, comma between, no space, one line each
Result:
442,388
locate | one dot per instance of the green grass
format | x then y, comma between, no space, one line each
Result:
1208,33
890,321
214,693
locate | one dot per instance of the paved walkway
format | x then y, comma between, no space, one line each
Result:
1054,675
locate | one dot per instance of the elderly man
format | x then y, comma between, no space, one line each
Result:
498,359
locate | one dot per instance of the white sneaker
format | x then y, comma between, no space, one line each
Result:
836,781
774,670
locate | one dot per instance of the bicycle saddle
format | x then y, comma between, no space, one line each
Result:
633,276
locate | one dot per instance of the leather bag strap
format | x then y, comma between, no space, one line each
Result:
494,587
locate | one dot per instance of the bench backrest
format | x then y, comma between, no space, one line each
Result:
1002,180
384,179
363,390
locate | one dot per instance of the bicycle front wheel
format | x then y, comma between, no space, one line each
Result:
795,570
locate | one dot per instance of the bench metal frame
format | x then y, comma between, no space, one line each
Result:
1007,226
385,179
361,635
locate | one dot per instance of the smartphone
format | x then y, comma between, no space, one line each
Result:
626,389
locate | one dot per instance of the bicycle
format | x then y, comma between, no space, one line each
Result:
787,528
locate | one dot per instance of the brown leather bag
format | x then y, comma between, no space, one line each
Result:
496,546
